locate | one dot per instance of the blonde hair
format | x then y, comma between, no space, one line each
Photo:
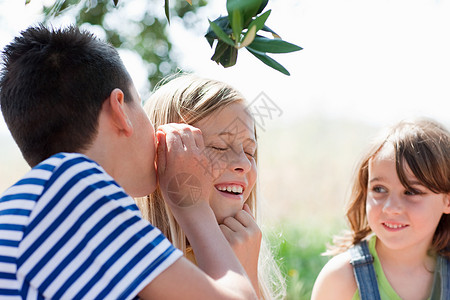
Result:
424,146
186,98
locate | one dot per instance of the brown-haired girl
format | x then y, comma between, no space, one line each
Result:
399,218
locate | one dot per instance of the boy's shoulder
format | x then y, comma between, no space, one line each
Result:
336,279
68,164
70,159
58,169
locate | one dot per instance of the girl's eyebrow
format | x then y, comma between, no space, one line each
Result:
411,183
225,133
232,134
415,182
376,179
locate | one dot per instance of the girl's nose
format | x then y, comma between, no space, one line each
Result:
393,205
239,162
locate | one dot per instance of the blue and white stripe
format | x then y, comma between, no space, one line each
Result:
67,230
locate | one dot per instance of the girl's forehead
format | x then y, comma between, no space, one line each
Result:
386,157
386,152
229,120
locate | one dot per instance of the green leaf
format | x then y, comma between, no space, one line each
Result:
263,44
115,2
221,34
210,41
220,50
229,57
269,61
260,20
27,1
249,37
166,10
247,8
274,34
222,22
225,55
263,5
236,25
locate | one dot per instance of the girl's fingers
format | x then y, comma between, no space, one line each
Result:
187,138
245,218
198,137
233,224
161,158
227,232
173,139
190,138
247,209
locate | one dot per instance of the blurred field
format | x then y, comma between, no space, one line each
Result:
297,249
305,168
305,173
12,164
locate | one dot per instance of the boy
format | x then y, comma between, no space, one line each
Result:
67,228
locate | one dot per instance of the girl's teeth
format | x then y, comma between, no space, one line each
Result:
394,226
231,189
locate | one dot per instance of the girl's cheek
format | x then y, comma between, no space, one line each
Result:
375,199
370,214
371,206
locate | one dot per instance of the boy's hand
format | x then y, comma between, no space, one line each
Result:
183,173
244,236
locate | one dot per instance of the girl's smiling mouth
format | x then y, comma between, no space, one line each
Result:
394,226
230,188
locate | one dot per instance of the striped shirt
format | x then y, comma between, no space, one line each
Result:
68,230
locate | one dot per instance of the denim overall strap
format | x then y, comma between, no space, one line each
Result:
441,282
446,279
362,262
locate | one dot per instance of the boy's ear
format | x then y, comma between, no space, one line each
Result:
118,113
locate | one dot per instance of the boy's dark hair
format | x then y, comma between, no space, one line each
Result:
52,87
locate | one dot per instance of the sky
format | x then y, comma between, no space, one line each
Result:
371,61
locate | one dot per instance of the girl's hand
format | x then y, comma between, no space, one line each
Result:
244,236
183,173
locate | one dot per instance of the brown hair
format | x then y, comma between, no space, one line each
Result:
424,146
52,87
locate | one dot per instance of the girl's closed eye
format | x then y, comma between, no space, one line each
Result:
250,147
250,152
218,148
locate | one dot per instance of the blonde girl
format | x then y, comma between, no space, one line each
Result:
219,111
399,219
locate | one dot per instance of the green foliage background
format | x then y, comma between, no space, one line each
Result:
145,35
298,251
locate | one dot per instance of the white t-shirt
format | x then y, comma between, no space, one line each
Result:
68,230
